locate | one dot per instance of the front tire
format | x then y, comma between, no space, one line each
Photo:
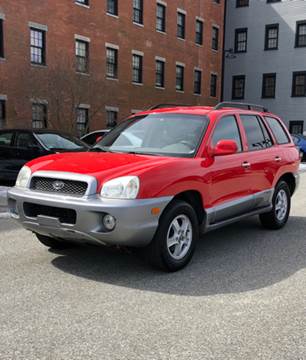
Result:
278,216
53,243
174,242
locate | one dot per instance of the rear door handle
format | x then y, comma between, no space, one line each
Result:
246,165
278,158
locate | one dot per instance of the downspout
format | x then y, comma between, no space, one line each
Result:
223,52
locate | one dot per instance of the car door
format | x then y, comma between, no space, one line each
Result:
261,158
7,171
229,187
27,147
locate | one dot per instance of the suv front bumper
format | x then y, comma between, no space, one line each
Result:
135,221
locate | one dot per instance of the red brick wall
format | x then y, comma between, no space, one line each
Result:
19,79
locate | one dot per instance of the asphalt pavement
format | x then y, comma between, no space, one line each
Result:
242,297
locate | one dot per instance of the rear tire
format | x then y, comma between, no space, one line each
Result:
53,243
174,242
278,216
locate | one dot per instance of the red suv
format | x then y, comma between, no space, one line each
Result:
160,179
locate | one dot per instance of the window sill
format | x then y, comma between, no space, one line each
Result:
138,24
199,45
82,5
111,78
112,15
182,39
271,49
195,94
180,91
160,87
215,51
82,73
137,84
161,32
42,66
2,59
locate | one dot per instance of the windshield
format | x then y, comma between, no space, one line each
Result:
157,134
61,142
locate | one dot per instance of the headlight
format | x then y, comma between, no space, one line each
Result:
23,177
125,187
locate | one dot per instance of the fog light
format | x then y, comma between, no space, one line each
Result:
109,222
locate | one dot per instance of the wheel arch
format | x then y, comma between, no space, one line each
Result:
290,179
193,198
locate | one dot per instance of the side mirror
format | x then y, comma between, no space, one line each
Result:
224,147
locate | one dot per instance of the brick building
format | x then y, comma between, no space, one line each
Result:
84,64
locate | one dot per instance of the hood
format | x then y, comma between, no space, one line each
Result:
101,165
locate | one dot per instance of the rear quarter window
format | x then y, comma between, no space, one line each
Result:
278,130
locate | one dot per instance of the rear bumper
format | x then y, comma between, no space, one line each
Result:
135,224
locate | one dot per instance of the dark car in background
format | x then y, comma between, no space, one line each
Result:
18,146
93,137
300,142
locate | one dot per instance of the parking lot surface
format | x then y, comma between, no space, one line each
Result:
242,297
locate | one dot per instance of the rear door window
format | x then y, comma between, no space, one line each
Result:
278,130
6,138
257,135
25,140
227,129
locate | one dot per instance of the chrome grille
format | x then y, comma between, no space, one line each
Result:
59,186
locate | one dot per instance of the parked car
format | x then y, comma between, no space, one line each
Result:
94,136
300,142
160,179
18,146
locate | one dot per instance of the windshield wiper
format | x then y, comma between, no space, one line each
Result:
141,153
100,149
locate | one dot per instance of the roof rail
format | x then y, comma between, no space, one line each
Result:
163,106
238,105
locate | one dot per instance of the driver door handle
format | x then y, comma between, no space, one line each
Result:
246,165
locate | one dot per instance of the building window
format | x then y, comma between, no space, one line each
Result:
215,38
242,3
138,11
82,56
111,63
296,127
38,46
39,116
271,37
268,85
160,73
273,1
137,69
197,86
238,87
2,113
112,7
241,40
300,36
199,32
82,116
1,39
179,77
111,118
299,84
181,19
82,2
161,18
213,85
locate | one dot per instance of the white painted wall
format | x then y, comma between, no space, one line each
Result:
257,61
